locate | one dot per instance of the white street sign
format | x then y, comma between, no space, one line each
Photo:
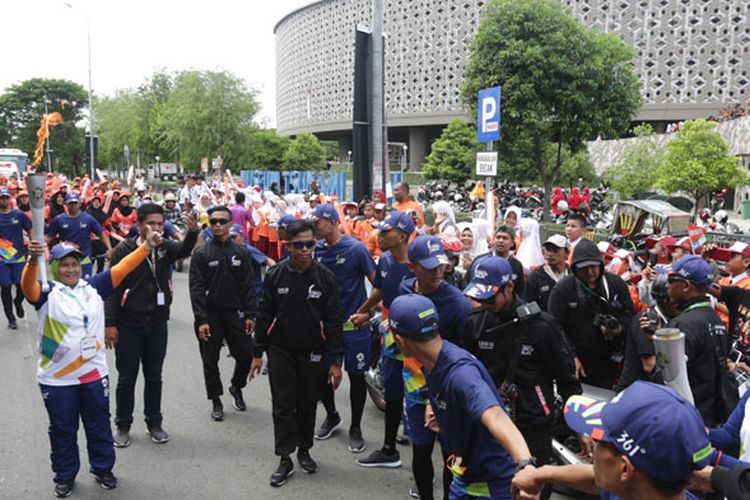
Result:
487,163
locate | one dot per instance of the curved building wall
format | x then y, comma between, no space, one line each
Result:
694,57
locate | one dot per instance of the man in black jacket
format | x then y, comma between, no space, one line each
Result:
595,312
222,292
136,318
524,351
541,281
300,321
505,237
706,340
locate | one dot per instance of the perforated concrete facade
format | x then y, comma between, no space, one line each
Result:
694,57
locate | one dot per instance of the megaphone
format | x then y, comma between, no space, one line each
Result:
670,357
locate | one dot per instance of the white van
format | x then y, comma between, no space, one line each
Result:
12,161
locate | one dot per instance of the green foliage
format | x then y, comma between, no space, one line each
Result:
205,115
640,162
561,81
575,166
264,149
304,153
697,161
21,110
453,154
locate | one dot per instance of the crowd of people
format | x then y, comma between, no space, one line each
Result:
482,330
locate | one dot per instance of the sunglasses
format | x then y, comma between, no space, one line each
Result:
299,245
219,222
674,279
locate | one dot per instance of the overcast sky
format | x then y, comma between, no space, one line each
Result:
130,38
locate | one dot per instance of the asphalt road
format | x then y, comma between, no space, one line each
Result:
203,459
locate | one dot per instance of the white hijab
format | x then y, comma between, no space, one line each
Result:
448,226
518,213
479,245
530,252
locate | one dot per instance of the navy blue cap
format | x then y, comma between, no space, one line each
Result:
4,191
63,250
656,428
427,251
72,198
413,316
397,220
235,230
490,275
326,211
693,269
286,220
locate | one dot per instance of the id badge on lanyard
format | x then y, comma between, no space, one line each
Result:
160,297
88,342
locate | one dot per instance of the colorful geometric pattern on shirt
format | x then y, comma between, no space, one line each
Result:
7,251
476,490
54,331
415,383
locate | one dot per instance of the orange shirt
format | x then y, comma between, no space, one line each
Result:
727,281
409,205
372,244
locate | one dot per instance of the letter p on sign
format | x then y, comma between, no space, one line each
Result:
488,111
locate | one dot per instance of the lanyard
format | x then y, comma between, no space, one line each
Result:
152,267
696,306
66,291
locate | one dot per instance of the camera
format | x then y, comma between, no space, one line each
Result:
607,320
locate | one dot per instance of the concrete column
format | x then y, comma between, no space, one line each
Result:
419,148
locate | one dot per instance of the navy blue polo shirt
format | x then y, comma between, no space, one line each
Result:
351,263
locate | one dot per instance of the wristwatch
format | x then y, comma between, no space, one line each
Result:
523,463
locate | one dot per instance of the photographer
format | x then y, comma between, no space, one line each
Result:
595,310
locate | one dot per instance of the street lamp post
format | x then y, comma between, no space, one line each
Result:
157,167
403,162
92,168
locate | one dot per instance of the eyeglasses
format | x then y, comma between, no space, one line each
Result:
220,222
299,245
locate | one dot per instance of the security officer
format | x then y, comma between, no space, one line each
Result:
222,292
299,295
482,446
524,352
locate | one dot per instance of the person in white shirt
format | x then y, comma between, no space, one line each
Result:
72,370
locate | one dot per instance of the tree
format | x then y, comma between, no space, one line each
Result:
697,161
207,114
562,81
21,110
640,162
305,153
453,154
264,149
575,166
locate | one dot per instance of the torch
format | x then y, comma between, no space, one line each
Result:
36,184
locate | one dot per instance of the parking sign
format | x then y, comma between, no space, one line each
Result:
488,115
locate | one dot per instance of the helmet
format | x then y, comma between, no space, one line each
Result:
562,206
659,287
721,216
704,214
170,197
451,244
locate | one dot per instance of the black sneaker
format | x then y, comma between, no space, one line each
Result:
63,489
283,472
356,442
19,308
217,413
106,480
381,458
158,435
328,427
306,462
12,325
122,436
237,401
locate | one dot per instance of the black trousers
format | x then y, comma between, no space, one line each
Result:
295,384
147,346
539,441
228,326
